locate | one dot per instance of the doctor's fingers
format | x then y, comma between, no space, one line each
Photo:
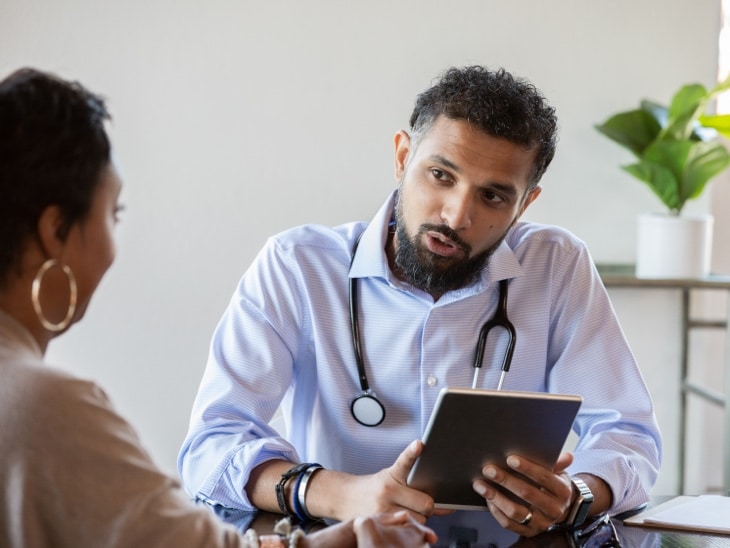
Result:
403,464
512,515
417,504
555,489
536,497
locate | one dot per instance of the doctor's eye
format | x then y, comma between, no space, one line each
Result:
440,174
492,197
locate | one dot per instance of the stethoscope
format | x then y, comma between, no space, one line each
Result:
367,409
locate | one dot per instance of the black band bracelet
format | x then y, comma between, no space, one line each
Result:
280,495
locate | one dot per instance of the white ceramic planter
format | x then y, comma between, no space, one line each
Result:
670,246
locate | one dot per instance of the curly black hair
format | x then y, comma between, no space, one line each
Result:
495,102
53,148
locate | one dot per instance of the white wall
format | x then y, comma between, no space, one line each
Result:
234,119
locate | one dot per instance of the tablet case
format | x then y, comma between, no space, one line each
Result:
469,428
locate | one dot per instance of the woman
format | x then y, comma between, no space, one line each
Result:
74,472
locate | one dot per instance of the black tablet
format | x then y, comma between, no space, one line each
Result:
469,428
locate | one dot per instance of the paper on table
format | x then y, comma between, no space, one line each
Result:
710,513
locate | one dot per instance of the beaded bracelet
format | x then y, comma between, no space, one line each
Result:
282,531
295,537
252,540
280,495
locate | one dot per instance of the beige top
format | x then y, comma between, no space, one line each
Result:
74,473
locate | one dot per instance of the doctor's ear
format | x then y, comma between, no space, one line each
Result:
402,142
529,198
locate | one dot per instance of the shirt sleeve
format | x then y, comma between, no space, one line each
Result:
244,382
619,439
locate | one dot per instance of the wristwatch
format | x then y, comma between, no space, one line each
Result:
581,505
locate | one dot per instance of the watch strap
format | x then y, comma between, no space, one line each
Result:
581,505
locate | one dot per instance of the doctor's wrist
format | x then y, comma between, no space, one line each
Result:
600,493
581,503
331,495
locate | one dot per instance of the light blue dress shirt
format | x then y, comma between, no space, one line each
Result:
285,340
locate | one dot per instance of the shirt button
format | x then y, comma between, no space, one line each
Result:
432,381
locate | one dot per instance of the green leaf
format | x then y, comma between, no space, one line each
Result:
674,156
671,154
720,122
659,112
688,103
660,180
678,171
634,129
688,98
705,160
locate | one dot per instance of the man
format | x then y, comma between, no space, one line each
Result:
426,272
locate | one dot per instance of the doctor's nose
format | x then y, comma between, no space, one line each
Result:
457,212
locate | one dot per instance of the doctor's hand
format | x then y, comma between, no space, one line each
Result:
385,491
544,502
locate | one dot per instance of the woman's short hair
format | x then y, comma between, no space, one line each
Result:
53,148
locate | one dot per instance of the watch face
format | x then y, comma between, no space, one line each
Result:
582,514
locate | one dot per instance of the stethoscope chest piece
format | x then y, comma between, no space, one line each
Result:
367,410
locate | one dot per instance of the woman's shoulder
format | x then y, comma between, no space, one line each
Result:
42,399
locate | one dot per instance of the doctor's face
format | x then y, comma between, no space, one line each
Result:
461,190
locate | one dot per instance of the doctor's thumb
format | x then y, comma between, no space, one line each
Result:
405,460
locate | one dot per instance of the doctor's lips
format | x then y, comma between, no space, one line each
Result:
443,241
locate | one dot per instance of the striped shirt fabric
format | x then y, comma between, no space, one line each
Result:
285,342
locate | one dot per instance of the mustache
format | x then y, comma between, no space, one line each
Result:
447,231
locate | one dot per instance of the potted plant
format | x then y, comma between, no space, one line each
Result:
677,153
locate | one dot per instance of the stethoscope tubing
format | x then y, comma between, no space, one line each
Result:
499,319
354,321
366,408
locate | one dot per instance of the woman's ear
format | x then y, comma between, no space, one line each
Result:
50,224
402,142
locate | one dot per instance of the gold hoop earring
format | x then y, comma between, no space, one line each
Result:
36,289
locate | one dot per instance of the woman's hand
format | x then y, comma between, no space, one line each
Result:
398,529
395,530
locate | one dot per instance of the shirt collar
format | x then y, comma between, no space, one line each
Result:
370,259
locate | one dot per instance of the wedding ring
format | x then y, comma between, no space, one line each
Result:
527,519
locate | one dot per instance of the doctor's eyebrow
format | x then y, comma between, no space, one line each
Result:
445,162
